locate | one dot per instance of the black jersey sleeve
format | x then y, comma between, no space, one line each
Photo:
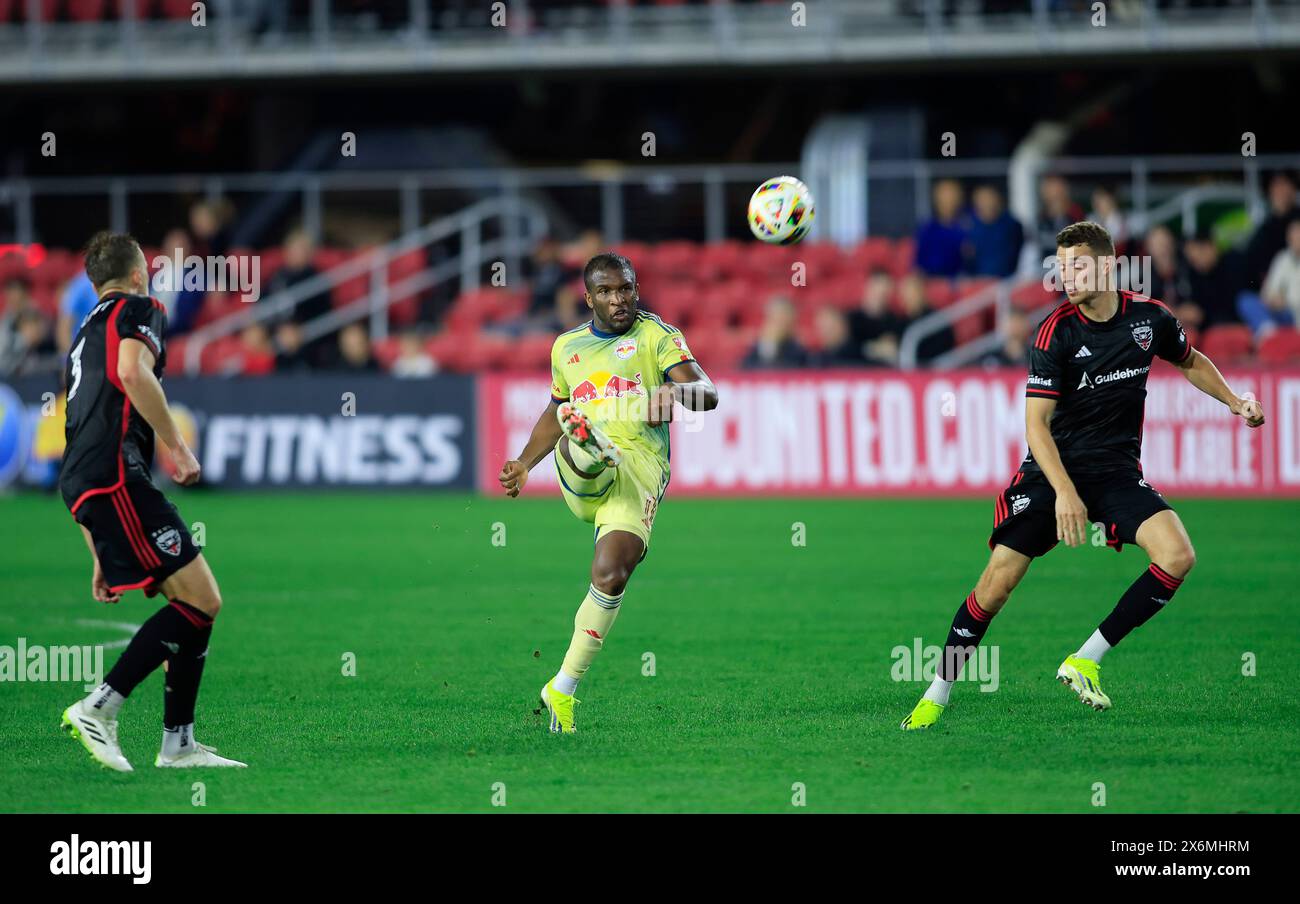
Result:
1045,368
1171,338
143,319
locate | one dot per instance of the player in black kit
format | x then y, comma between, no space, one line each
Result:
1083,422
137,539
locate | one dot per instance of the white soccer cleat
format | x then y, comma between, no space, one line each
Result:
587,436
97,735
201,755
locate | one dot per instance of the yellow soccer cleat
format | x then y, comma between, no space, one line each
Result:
927,712
1083,676
560,706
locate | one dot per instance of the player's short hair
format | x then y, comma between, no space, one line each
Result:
111,256
606,260
1094,235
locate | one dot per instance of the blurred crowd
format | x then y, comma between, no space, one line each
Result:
1248,282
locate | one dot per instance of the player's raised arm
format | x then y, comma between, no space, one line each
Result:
1201,373
546,433
1071,513
135,362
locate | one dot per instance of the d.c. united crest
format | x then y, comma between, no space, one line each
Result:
1143,335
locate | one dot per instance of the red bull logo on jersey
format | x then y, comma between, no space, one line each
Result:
604,385
625,349
617,386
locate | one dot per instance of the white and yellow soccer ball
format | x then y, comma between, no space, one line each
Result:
781,211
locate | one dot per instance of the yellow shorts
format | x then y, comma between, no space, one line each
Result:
622,498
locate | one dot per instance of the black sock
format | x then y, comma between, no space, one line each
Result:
184,672
167,632
1147,596
968,628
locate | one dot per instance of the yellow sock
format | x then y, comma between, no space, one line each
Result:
590,627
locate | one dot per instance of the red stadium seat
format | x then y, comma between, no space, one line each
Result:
85,10
721,260
872,254
939,293
904,256
176,9
821,260
1031,296
1227,343
1281,347
675,259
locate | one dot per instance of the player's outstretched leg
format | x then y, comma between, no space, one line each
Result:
1004,571
1165,540
589,449
617,555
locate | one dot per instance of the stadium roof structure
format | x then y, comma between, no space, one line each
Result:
714,35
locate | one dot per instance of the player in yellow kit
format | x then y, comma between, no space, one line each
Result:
613,384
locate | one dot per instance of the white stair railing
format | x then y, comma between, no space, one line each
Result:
522,223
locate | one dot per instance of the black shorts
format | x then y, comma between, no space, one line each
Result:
139,536
1024,514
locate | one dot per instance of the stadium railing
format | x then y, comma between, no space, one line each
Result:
620,195
520,224
143,39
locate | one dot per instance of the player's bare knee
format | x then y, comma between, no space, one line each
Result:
1178,560
610,577
996,584
207,599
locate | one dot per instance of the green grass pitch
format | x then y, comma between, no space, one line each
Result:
772,660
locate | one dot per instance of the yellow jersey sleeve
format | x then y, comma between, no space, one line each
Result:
559,383
671,351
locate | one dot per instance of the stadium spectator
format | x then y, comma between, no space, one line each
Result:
26,343
995,236
297,267
1212,285
183,304
207,229
76,302
548,274
290,354
1270,238
1014,352
939,240
777,345
354,351
837,348
1106,212
911,297
257,355
874,325
1168,276
1056,211
1278,304
413,360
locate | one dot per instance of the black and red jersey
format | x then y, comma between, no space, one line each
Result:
1097,373
108,441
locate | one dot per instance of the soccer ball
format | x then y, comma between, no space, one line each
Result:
781,211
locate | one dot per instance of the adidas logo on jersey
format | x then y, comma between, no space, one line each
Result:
1083,352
